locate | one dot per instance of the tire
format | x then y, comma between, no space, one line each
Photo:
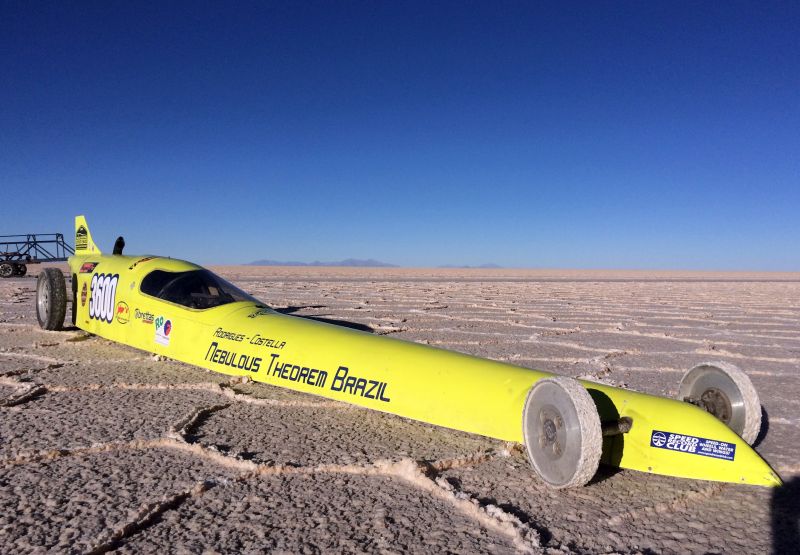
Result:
74,303
726,392
6,269
51,299
20,270
561,428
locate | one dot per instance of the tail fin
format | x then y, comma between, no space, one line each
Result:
83,238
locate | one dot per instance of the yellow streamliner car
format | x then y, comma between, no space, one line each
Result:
185,312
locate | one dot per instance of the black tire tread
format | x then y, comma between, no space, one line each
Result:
57,302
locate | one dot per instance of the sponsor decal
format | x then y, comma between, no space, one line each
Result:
224,357
123,312
230,335
371,389
289,371
81,238
259,312
344,380
658,439
144,316
103,297
267,342
145,259
693,445
83,295
256,339
88,267
163,329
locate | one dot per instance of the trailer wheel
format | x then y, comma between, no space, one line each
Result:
562,432
51,299
726,392
6,269
20,270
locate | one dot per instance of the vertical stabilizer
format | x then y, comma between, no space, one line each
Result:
83,238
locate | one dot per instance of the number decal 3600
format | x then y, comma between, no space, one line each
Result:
104,294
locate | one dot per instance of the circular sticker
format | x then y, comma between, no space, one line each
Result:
123,312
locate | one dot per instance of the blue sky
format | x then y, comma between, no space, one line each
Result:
597,135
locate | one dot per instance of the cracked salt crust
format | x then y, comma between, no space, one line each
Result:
105,448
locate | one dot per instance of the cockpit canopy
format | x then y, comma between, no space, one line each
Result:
199,289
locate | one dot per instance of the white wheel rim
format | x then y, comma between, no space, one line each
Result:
43,299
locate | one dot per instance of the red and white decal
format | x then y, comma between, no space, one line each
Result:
88,267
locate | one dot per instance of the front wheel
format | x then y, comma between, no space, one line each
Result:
726,392
51,299
20,270
563,436
6,269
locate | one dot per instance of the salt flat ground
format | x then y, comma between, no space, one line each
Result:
104,448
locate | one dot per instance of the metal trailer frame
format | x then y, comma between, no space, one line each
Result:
17,251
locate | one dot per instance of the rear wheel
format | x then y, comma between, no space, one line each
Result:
726,392
6,269
562,432
51,299
20,270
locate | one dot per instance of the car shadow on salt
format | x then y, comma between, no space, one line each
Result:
762,433
785,516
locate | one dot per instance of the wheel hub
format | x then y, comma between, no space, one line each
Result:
551,423
549,431
717,403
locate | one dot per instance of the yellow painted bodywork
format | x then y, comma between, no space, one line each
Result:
415,381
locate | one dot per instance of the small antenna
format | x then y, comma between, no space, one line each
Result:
119,244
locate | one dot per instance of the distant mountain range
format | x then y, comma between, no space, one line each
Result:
354,263
351,262
482,266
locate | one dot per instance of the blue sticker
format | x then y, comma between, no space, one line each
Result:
694,445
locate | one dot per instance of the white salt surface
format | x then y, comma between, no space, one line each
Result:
103,448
